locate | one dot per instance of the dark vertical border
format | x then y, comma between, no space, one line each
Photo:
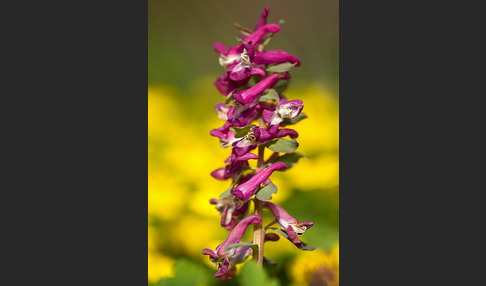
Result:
409,132
75,128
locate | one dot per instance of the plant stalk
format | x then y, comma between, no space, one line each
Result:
258,230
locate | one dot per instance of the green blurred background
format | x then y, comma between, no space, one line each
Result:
182,67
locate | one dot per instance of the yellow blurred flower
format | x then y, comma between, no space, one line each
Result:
315,268
159,266
161,201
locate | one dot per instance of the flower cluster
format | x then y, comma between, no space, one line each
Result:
253,85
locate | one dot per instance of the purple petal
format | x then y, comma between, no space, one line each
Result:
258,71
228,220
289,109
240,72
293,237
207,251
224,267
225,85
249,95
247,189
275,57
258,35
307,224
229,274
287,132
242,210
219,174
280,214
249,156
244,146
267,115
218,133
218,47
237,232
263,18
244,115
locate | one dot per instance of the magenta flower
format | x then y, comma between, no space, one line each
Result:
251,63
230,55
225,85
285,109
242,70
229,210
222,110
242,116
241,255
269,57
236,163
220,256
238,117
249,95
259,33
257,136
226,136
247,189
288,223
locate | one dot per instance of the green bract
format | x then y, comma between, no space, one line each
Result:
283,145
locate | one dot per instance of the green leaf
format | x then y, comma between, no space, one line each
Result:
266,192
284,234
252,275
289,159
229,98
233,245
241,131
283,67
271,94
270,265
226,193
283,145
168,281
198,273
291,121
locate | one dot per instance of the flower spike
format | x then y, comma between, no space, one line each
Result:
252,87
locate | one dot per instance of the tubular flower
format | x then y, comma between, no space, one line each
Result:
269,57
245,68
285,109
229,210
225,85
257,136
249,95
288,223
220,256
222,110
232,169
248,188
241,256
226,137
231,54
